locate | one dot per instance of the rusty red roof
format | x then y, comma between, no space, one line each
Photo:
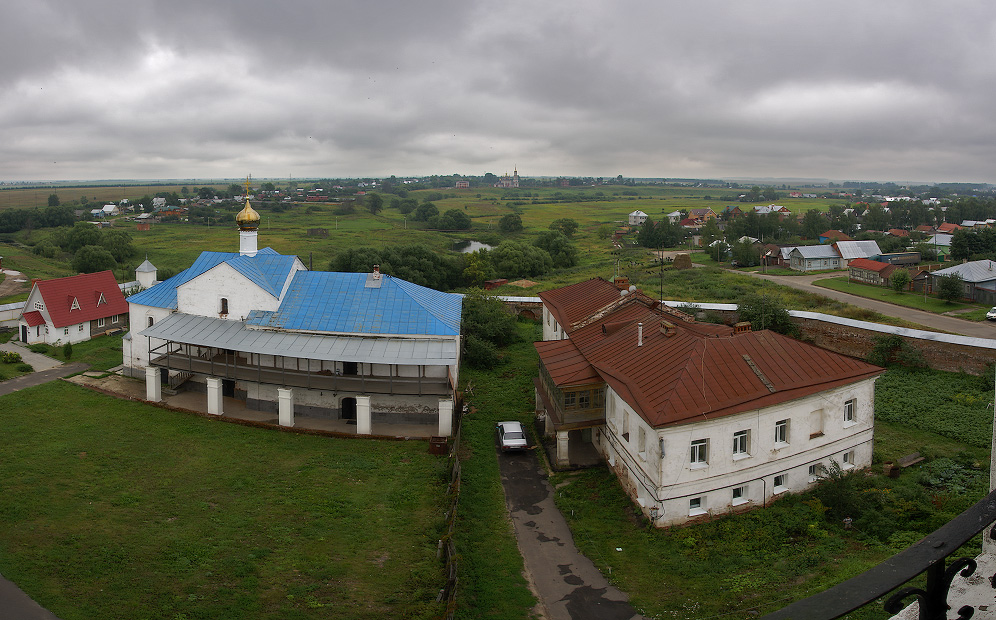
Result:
867,264
81,298
687,371
34,318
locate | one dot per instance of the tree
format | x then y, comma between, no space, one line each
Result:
93,258
766,312
746,253
406,205
510,223
559,247
118,243
265,187
512,259
53,200
374,202
899,280
425,211
565,225
950,288
478,269
453,219
814,223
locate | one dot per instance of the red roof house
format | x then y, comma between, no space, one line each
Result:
664,398
948,227
73,309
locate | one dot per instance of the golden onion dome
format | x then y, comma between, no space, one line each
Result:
247,219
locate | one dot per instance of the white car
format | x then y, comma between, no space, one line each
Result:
991,315
511,436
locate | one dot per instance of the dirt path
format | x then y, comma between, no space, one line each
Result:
14,283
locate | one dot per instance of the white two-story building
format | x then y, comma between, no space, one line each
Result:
696,419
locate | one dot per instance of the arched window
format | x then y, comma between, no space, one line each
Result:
224,305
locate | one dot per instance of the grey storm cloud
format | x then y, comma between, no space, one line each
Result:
152,89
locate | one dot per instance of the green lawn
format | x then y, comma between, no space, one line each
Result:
101,353
907,299
114,509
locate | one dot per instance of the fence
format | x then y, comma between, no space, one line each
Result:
446,549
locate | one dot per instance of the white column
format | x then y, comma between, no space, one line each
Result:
153,387
285,397
363,424
215,399
445,417
563,458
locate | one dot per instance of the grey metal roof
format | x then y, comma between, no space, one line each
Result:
974,271
858,249
817,251
940,239
220,333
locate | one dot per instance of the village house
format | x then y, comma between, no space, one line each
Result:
73,309
695,419
849,250
256,325
637,218
978,279
870,272
814,258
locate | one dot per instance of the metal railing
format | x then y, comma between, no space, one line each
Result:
927,556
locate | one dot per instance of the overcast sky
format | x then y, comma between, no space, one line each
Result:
882,90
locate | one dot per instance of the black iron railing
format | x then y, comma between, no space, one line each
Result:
927,556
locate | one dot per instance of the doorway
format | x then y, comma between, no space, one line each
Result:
348,409
228,388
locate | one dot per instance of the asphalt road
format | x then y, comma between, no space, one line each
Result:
567,583
941,322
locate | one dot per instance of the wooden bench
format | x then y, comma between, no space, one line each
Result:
910,459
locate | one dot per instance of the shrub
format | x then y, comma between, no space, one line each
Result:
11,357
25,368
67,350
38,348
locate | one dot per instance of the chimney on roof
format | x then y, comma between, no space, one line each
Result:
639,334
742,327
668,329
621,282
376,272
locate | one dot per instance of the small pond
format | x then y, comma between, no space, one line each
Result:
466,246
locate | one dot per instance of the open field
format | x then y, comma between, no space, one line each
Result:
908,299
115,509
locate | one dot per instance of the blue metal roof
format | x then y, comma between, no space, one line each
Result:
322,301
268,269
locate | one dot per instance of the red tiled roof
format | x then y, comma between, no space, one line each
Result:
699,371
867,264
836,234
899,232
925,228
34,318
96,294
947,227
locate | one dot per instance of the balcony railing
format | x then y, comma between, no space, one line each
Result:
228,366
927,556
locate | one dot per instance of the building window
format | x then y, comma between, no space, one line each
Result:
696,506
781,432
816,471
625,425
570,400
739,495
600,397
641,443
849,407
699,455
80,327
781,483
224,305
150,321
584,399
741,444
39,305
65,331
100,322
816,424
847,459
114,319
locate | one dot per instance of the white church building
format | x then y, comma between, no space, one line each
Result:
258,326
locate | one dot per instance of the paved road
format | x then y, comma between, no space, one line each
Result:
567,583
942,322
